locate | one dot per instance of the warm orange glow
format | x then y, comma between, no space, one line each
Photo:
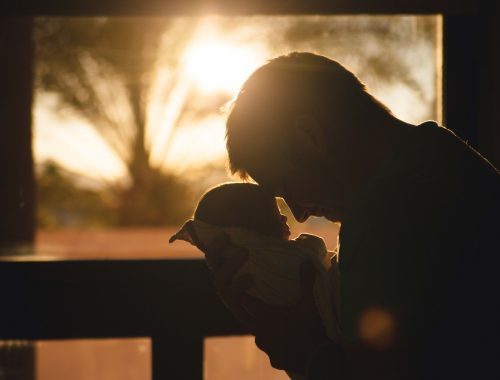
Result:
377,328
216,57
213,63
218,65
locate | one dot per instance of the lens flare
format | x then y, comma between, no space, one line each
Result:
377,328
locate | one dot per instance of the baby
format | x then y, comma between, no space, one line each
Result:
252,220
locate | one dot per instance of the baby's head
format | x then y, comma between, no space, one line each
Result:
243,205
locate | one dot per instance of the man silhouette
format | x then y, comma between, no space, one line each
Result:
419,235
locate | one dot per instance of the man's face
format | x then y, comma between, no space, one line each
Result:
307,189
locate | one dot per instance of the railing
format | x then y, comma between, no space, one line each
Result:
170,301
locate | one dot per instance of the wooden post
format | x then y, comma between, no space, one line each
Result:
16,161
471,78
178,357
489,122
17,359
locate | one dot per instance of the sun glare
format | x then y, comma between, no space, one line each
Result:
215,65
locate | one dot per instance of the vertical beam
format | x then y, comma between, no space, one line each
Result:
489,122
462,54
472,78
16,162
179,358
17,360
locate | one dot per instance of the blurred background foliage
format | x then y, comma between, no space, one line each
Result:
64,201
61,202
101,70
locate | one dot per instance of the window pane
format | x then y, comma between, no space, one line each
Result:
128,125
84,359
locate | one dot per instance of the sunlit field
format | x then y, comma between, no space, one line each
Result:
129,132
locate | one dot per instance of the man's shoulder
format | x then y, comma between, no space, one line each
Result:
457,169
434,162
442,145
434,183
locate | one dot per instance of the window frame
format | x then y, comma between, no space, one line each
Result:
92,299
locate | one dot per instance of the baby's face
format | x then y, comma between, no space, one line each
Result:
278,225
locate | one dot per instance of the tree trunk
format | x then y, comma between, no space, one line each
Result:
135,198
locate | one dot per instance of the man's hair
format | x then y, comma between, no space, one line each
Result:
237,204
285,87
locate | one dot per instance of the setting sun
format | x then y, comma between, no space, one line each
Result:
216,65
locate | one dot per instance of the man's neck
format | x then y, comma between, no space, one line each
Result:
371,152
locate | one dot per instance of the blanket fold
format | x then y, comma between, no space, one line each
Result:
274,266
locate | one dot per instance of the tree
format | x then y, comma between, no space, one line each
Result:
105,70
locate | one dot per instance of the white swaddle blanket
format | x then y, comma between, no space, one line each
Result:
274,266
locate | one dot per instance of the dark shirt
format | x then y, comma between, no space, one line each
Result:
418,255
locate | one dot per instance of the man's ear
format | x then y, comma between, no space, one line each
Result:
309,135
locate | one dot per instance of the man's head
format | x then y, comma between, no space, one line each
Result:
244,205
299,126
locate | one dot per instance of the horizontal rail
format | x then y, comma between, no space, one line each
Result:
233,7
